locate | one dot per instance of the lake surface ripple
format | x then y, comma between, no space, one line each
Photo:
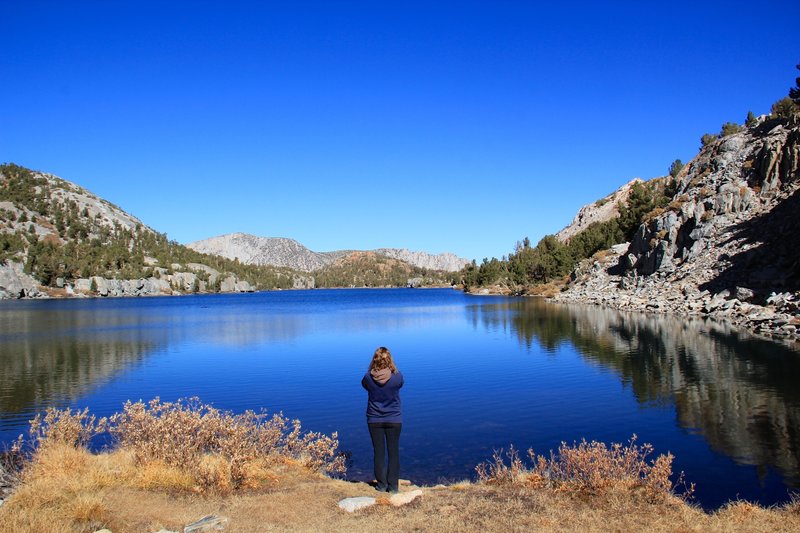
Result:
481,373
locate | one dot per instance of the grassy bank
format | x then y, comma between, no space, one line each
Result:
588,487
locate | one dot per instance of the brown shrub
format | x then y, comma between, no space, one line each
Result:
177,443
588,467
63,426
185,433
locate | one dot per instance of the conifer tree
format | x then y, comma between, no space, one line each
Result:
794,92
675,168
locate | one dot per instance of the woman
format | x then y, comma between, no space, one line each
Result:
384,418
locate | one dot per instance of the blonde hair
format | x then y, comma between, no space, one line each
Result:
383,359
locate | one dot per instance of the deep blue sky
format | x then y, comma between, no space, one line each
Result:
437,126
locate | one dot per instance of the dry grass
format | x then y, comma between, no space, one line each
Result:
72,490
549,289
587,486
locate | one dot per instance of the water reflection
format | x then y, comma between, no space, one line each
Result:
75,354
738,391
54,352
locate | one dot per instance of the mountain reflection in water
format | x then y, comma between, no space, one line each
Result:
738,391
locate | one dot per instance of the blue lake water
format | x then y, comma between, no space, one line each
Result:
481,373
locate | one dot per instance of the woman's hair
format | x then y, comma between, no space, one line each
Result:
383,359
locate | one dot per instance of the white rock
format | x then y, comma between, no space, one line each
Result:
354,504
402,498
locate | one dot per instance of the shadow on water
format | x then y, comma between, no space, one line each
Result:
739,392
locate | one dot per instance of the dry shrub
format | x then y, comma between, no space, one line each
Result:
549,289
63,426
655,212
215,446
602,254
186,444
588,467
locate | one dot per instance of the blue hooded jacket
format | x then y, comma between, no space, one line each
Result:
383,404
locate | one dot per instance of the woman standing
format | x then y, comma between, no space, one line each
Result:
384,418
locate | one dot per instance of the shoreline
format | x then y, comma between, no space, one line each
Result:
71,490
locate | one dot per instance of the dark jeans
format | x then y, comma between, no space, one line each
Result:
386,435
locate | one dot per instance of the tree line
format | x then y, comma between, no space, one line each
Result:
552,259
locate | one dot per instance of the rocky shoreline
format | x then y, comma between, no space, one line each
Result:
15,284
726,247
595,284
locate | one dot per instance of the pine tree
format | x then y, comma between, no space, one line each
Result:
794,92
675,168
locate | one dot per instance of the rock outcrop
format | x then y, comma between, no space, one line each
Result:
14,283
726,246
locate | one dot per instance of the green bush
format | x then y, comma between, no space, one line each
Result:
784,108
707,139
729,128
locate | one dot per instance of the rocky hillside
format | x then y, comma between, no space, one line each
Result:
600,211
57,238
253,250
371,269
275,251
446,262
726,245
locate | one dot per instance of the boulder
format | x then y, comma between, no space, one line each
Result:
14,283
403,498
352,505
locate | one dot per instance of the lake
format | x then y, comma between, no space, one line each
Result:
481,373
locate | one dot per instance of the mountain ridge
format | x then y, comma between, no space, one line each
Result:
286,252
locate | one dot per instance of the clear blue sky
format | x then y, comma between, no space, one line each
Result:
437,126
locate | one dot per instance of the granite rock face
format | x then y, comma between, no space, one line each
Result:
14,283
726,246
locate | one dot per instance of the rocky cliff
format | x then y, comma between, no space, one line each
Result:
250,249
726,245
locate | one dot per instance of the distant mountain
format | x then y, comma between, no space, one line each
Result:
371,269
275,251
281,252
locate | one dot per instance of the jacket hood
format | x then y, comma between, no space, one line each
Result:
381,376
